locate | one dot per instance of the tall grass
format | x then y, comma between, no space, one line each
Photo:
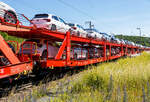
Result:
126,79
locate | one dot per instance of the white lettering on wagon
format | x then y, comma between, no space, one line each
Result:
1,71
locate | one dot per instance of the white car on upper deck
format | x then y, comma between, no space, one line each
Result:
93,33
78,30
50,22
8,13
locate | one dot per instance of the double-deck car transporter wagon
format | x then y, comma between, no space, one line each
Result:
97,50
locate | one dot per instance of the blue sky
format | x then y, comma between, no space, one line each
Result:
111,16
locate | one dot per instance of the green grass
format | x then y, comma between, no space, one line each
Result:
11,38
124,80
112,82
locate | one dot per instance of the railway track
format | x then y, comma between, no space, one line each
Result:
27,83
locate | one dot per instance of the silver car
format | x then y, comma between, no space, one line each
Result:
39,47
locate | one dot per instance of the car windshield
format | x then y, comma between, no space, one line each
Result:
55,18
41,16
81,27
61,20
95,30
105,34
71,24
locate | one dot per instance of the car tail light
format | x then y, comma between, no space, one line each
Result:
74,28
48,20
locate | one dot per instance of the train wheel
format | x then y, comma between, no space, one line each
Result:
36,68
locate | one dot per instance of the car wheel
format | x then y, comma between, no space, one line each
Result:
10,17
44,54
78,33
95,36
75,56
53,27
86,55
87,36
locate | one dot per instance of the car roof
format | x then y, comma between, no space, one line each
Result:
75,24
92,29
7,6
48,14
45,14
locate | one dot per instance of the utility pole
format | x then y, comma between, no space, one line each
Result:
90,24
139,31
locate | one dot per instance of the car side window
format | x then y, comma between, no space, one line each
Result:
55,18
78,26
81,27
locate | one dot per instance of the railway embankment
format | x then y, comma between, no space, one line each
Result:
126,79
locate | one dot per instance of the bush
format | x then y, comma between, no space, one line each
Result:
90,81
94,81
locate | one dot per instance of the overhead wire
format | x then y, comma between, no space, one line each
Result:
64,3
76,9
37,9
